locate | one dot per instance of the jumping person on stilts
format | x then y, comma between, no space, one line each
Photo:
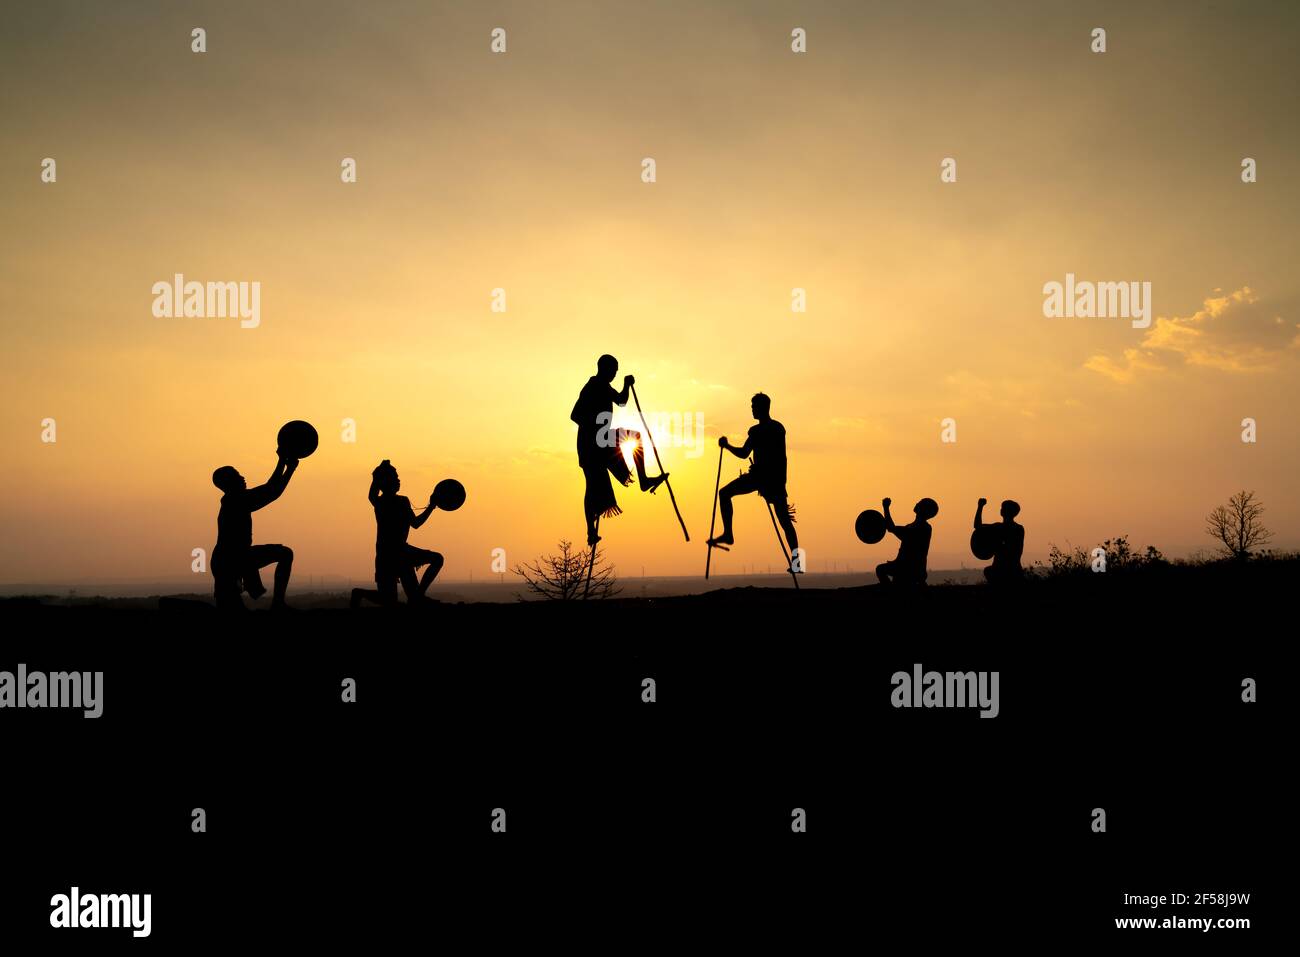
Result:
600,447
766,442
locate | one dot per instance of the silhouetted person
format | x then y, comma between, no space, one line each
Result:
766,442
395,560
600,448
235,559
908,568
1011,543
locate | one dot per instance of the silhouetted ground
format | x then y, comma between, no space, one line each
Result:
315,592
1119,691
1180,592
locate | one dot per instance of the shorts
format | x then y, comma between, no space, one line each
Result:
749,482
389,568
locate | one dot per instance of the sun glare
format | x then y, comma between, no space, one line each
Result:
628,448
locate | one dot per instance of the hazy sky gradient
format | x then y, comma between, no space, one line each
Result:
522,171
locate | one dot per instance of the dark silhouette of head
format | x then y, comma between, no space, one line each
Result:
228,479
761,406
607,367
926,509
386,478
1010,509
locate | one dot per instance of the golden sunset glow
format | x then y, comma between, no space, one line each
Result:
522,173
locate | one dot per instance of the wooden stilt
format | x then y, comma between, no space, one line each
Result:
771,511
651,438
592,563
714,520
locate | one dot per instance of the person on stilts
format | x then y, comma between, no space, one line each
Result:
766,442
600,446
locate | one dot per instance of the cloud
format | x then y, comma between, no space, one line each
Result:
1232,333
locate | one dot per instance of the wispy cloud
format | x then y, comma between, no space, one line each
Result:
1232,333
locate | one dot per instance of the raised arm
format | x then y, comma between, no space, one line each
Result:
889,519
274,487
979,512
620,398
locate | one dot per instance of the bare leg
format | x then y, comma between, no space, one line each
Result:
430,573
726,510
787,525
410,585
226,593
592,514
638,457
791,536
283,569
385,596
253,584
648,484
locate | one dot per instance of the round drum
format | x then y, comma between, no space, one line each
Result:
449,495
870,526
297,439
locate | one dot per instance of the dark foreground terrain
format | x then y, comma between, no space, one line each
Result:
370,822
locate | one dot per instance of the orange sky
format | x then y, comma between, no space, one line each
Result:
522,171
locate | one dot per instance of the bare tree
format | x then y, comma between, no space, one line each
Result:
563,576
1237,526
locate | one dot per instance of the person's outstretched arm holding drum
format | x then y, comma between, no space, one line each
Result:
274,487
420,519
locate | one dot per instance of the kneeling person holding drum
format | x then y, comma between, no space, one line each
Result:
909,568
236,561
395,559
1004,542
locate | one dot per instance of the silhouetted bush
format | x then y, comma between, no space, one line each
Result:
1120,557
563,576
